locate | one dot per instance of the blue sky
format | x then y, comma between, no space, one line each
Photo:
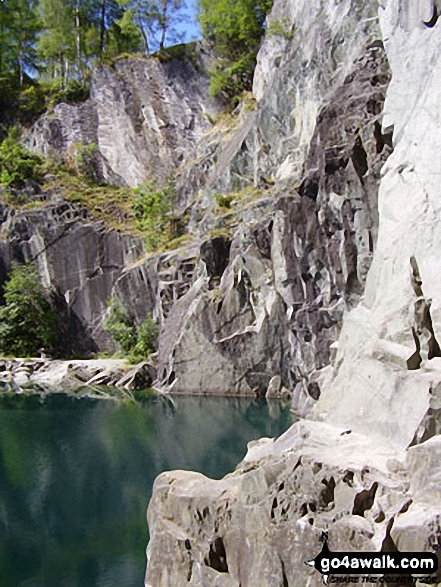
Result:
191,28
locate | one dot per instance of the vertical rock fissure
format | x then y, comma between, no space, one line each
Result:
423,318
217,556
364,500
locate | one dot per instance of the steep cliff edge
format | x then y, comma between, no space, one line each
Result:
365,465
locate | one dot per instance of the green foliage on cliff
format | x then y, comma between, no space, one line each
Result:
136,342
120,326
146,340
27,320
146,212
153,212
85,161
16,164
281,28
235,28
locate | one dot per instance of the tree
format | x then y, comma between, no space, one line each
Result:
235,28
63,39
118,31
120,326
19,25
78,32
125,36
27,320
157,20
56,45
169,15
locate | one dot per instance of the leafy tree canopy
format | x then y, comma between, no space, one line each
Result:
16,164
27,320
235,28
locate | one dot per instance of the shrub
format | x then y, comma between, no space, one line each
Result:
35,99
17,165
27,320
152,209
234,28
86,161
137,342
146,341
120,326
223,201
230,79
54,92
31,103
281,28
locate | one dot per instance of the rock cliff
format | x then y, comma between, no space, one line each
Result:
143,116
364,465
291,250
261,286
77,257
309,267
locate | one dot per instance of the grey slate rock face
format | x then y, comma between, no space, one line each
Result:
268,298
143,115
364,466
309,255
78,259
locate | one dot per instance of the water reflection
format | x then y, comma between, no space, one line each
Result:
76,477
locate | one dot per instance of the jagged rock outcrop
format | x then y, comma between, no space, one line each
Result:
260,524
300,250
49,376
144,116
82,377
357,467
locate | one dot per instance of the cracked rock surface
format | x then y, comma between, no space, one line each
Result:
364,465
299,251
143,115
78,258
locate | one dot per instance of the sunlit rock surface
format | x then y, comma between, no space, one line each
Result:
389,349
301,235
144,116
348,469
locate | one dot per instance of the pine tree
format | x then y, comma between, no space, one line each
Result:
19,25
56,45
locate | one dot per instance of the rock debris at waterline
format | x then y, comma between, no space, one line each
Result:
49,376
